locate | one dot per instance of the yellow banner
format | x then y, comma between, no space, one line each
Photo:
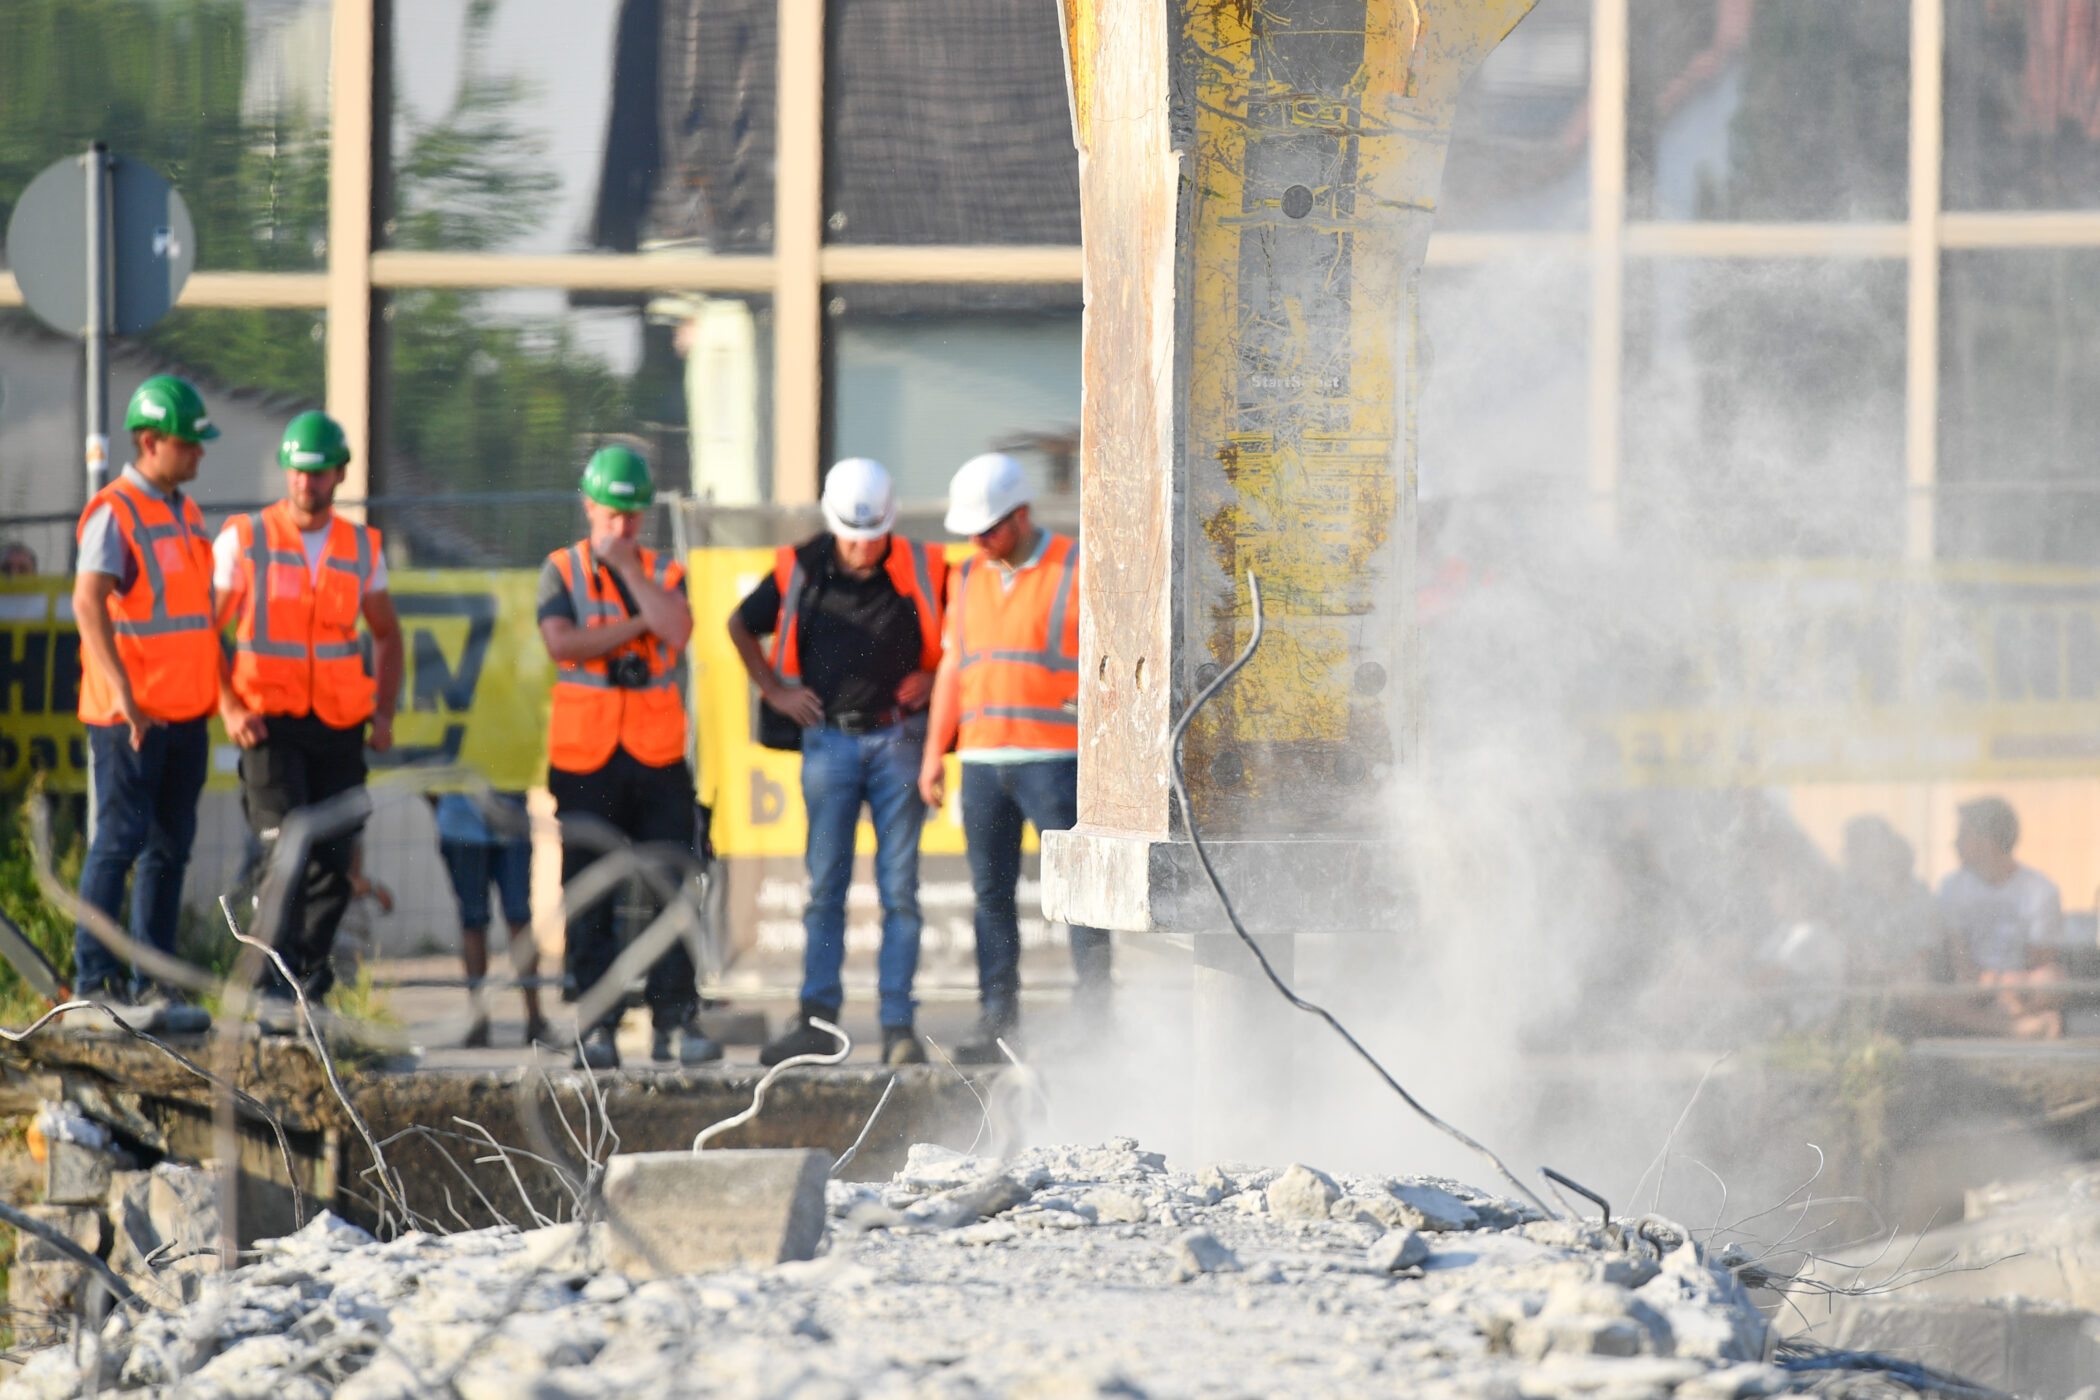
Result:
1832,671
474,690
1843,671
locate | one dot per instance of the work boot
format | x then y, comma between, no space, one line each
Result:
981,1045
803,1038
900,1046
170,1011
278,1015
596,1049
693,1046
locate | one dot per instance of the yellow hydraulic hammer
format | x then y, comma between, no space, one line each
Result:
1258,180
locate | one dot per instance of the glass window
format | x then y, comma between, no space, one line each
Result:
2022,106
257,369
502,395
228,100
924,391
947,121
1520,142
503,124
2019,406
1779,110
1764,406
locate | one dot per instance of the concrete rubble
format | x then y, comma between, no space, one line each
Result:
1063,1271
2009,1295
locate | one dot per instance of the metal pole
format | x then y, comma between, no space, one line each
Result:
96,332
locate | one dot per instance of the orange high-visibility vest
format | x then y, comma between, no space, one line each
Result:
591,715
920,574
163,624
295,644
1018,653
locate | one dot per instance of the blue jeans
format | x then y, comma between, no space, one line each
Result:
839,773
996,798
145,816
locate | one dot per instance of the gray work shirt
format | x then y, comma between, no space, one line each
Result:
102,548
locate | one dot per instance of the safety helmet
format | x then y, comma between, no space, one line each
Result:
859,502
170,405
986,490
313,442
618,477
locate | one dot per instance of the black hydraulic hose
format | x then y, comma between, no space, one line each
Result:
1188,817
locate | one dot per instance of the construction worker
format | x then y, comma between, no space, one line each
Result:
1007,695
293,580
614,618
149,677
855,617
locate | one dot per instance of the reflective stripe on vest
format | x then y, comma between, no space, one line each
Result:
290,659
590,715
1020,697
164,633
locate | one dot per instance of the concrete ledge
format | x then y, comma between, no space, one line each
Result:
1148,884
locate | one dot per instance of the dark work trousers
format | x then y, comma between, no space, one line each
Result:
300,763
646,805
145,820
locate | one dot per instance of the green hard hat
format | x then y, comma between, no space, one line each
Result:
313,442
170,405
618,477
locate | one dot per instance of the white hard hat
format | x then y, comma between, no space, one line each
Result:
859,503
985,490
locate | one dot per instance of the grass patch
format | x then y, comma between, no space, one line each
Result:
46,926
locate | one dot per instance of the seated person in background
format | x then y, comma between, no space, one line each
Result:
475,856
2004,920
17,560
1892,927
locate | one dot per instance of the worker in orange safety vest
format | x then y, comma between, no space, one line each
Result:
1007,697
149,666
615,620
293,581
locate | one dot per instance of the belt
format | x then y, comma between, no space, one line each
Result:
854,723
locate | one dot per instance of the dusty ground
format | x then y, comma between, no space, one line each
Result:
1064,1272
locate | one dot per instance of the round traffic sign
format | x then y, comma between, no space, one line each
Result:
153,245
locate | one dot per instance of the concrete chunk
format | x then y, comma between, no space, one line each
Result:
673,1213
83,1225
1302,1193
76,1173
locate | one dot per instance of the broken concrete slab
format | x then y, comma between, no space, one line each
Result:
76,1174
83,1225
671,1213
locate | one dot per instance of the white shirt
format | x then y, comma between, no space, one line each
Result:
1999,923
226,559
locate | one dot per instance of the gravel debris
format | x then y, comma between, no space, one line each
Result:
1066,1271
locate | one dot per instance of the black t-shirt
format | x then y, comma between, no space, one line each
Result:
862,635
